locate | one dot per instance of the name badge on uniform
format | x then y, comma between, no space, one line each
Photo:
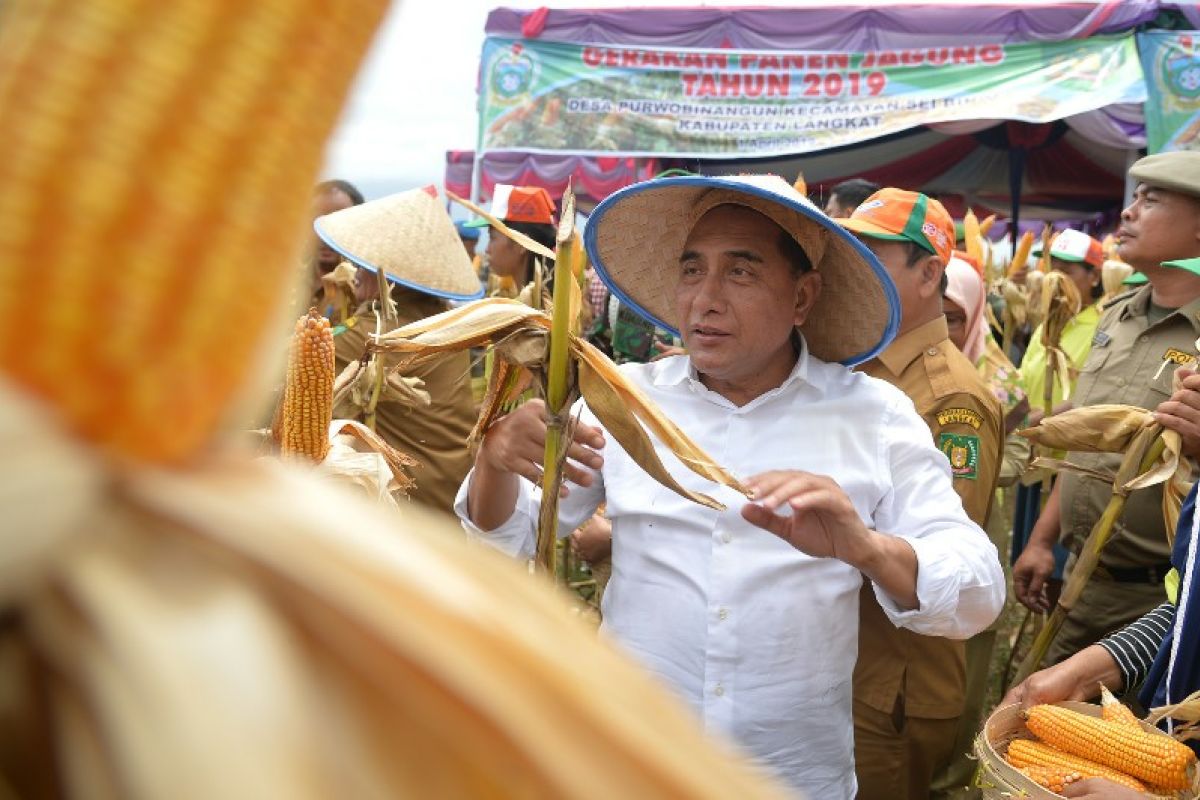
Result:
1173,356
1101,339
959,416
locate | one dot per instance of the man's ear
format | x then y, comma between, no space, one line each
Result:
808,291
932,268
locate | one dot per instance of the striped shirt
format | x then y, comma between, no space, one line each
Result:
1135,646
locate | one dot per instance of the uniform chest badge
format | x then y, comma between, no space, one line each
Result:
1174,356
962,451
1101,339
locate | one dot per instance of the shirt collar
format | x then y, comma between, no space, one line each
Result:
1139,306
905,349
679,369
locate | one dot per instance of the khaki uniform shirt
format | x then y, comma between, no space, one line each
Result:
436,435
1123,367
966,421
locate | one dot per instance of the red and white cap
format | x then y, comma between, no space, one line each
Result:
519,204
1073,245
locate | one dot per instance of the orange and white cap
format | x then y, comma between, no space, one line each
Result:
1073,245
904,216
519,204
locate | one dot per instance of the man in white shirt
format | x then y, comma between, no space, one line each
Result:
756,631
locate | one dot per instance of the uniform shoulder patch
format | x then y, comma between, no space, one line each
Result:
962,451
960,416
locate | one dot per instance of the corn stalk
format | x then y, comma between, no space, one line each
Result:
387,321
1146,451
559,381
1151,456
1060,303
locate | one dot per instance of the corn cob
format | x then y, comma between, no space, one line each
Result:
1053,778
1154,758
1029,753
1021,254
1114,710
308,395
151,153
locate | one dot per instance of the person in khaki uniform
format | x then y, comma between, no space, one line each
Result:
909,689
1142,337
412,239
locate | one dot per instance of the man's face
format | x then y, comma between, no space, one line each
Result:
1084,279
834,208
1159,225
326,203
737,299
915,282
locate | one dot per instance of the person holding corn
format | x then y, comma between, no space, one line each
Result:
1142,338
750,614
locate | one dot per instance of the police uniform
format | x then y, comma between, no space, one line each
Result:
909,689
1132,361
436,435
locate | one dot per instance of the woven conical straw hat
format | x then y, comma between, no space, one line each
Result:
410,237
635,237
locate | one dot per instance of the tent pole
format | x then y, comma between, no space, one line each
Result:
1016,176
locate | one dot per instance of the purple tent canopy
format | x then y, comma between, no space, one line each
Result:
835,27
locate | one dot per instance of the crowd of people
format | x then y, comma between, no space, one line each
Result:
847,363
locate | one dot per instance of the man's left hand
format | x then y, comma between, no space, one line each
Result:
1181,413
822,520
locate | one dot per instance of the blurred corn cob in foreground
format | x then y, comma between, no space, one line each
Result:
185,622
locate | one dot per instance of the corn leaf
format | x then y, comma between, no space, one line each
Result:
609,407
516,236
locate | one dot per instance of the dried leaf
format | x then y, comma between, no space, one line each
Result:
1090,429
516,236
659,424
610,408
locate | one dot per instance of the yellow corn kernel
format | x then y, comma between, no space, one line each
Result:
1053,778
308,395
1024,753
1156,759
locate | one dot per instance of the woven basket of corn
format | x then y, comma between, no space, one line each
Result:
1015,763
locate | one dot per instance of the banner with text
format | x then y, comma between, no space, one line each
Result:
1172,70
602,99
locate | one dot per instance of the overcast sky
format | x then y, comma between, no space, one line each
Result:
415,96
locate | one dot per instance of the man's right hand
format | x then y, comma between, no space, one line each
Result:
516,444
1030,575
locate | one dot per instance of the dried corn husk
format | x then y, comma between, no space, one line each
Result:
1112,277
1060,302
1090,429
1033,293
247,629
1184,716
494,320
338,290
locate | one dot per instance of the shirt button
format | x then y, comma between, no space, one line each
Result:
719,691
1144,339
931,351
726,537
723,613
1120,381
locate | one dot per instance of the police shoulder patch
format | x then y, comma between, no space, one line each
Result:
962,451
960,416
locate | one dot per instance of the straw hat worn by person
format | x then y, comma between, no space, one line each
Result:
901,674
412,239
1142,337
750,614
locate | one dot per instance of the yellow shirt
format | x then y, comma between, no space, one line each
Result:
1076,342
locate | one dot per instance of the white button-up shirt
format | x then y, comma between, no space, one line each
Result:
759,638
